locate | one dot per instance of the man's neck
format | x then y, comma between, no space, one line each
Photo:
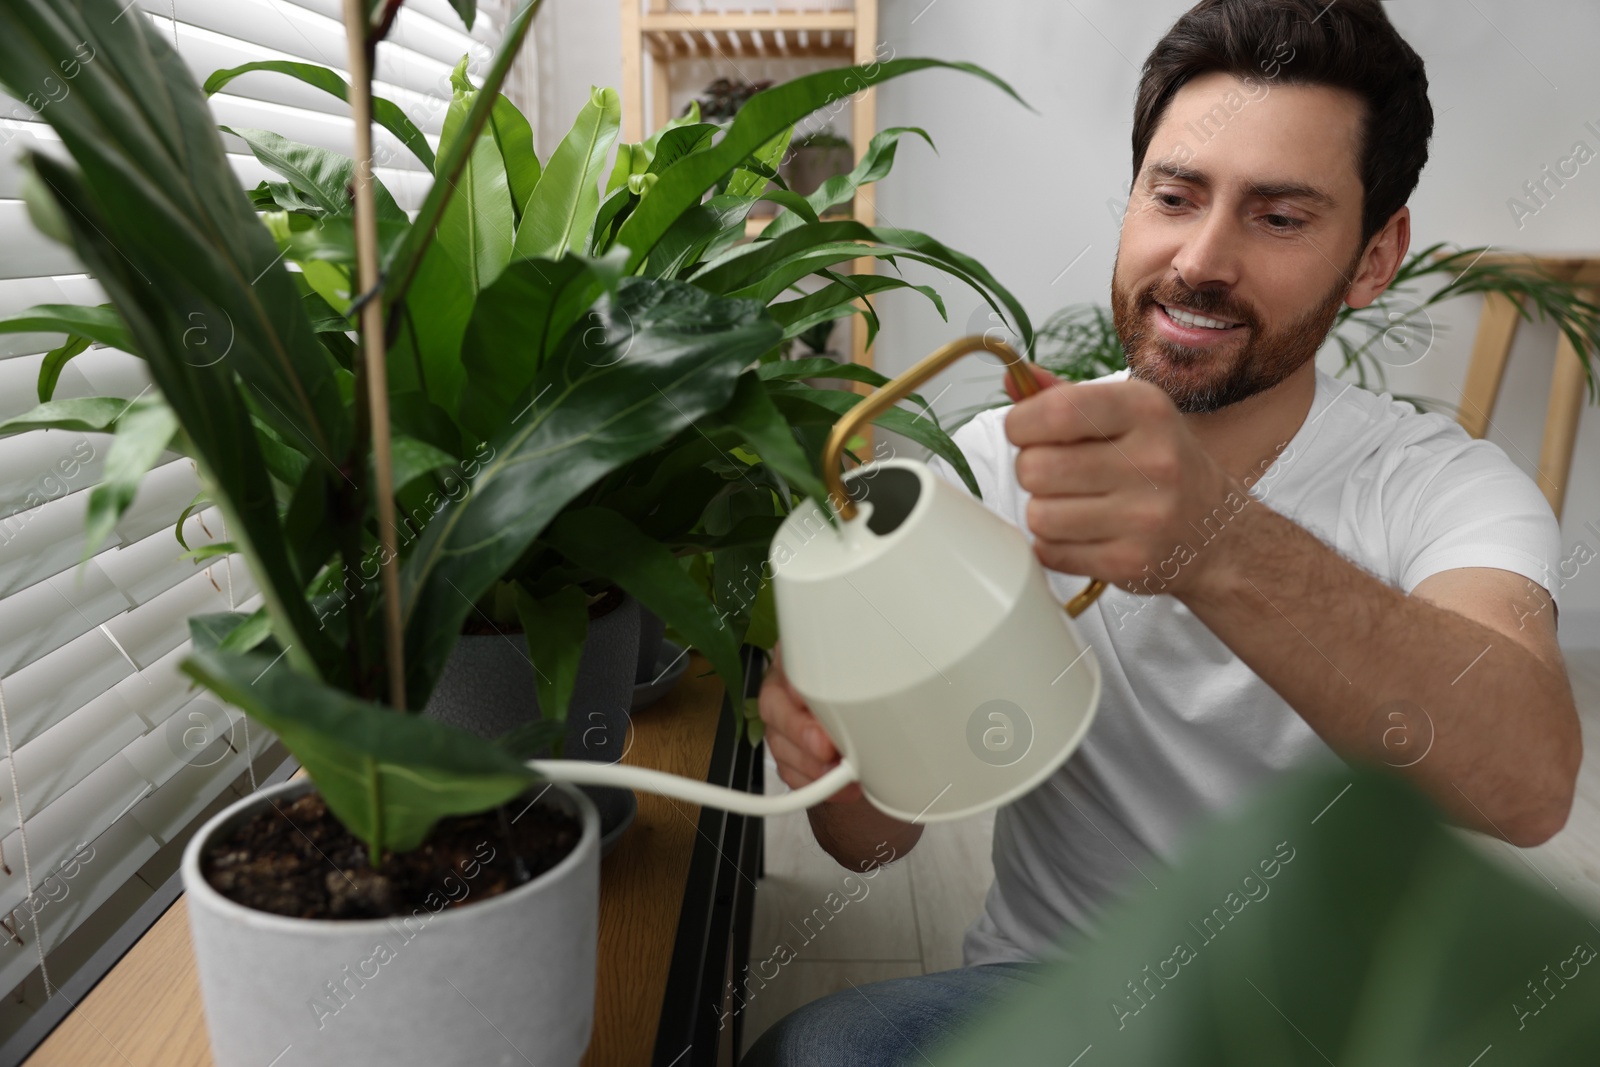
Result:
1244,438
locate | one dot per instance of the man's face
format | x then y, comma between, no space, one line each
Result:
1246,212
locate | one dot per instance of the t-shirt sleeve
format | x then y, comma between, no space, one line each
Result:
1477,508
982,441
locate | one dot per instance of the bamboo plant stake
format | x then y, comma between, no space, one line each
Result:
368,280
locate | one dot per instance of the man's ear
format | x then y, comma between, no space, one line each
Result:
1381,261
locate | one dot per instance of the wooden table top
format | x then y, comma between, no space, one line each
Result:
147,1010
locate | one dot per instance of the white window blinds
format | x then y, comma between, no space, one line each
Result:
108,757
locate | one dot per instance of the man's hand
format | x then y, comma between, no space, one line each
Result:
1121,488
799,746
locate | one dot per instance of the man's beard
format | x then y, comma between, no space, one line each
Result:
1267,358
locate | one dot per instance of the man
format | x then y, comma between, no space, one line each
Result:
1297,568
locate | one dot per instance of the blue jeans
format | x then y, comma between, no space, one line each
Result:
891,1022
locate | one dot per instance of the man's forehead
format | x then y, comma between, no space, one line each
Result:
1281,139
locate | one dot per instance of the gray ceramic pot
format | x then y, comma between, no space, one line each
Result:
506,980
488,686
652,631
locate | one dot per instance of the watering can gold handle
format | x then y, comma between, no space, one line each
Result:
895,390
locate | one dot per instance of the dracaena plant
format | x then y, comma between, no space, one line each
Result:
563,360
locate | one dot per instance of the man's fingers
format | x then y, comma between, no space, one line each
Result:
1043,377
1072,470
785,753
1079,411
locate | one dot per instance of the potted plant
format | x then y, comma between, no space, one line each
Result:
457,377
328,450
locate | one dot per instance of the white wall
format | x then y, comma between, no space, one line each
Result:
1030,192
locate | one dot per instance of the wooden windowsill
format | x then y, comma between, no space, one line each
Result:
147,1011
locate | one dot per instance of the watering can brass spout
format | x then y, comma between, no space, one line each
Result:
896,390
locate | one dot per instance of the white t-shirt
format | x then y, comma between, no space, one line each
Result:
1184,727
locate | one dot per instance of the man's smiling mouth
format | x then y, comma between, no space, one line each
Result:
1189,318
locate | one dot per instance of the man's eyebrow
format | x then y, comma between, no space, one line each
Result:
1279,190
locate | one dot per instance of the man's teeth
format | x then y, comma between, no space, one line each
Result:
1188,318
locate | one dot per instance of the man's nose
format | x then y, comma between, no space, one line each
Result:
1209,256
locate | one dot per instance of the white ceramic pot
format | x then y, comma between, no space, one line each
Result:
507,980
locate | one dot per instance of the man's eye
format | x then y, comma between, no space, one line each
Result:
1170,199
1283,222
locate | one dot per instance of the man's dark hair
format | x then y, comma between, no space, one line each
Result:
1346,44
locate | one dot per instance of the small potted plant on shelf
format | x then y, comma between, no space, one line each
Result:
814,158
520,418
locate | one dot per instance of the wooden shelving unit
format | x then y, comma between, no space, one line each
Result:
655,37
1491,349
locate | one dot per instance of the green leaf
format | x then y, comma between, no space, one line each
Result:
562,208
755,727
467,9
479,224
516,324
874,166
156,214
602,541
82,325
403,268
837,300
762,270
555,627
693,232
54,360
800,402
659,355
230,631
322,177
201,500
534,738
385,113
1332,917
632,160
677,142
89,414
412,458
748,180
635,159
388,777
614,209
762,117
513,135
426,356
763,629
737,572
752,413
211,551
144,431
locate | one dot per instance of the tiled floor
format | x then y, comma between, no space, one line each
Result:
908,919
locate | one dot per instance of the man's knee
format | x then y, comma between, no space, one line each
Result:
838,1030
882,1023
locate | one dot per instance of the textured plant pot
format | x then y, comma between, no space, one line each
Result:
652,631
489,688
506,980
811,165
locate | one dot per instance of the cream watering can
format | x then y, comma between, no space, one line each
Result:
921,632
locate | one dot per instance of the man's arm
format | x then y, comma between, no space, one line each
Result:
1117,478
846,825
1460,685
